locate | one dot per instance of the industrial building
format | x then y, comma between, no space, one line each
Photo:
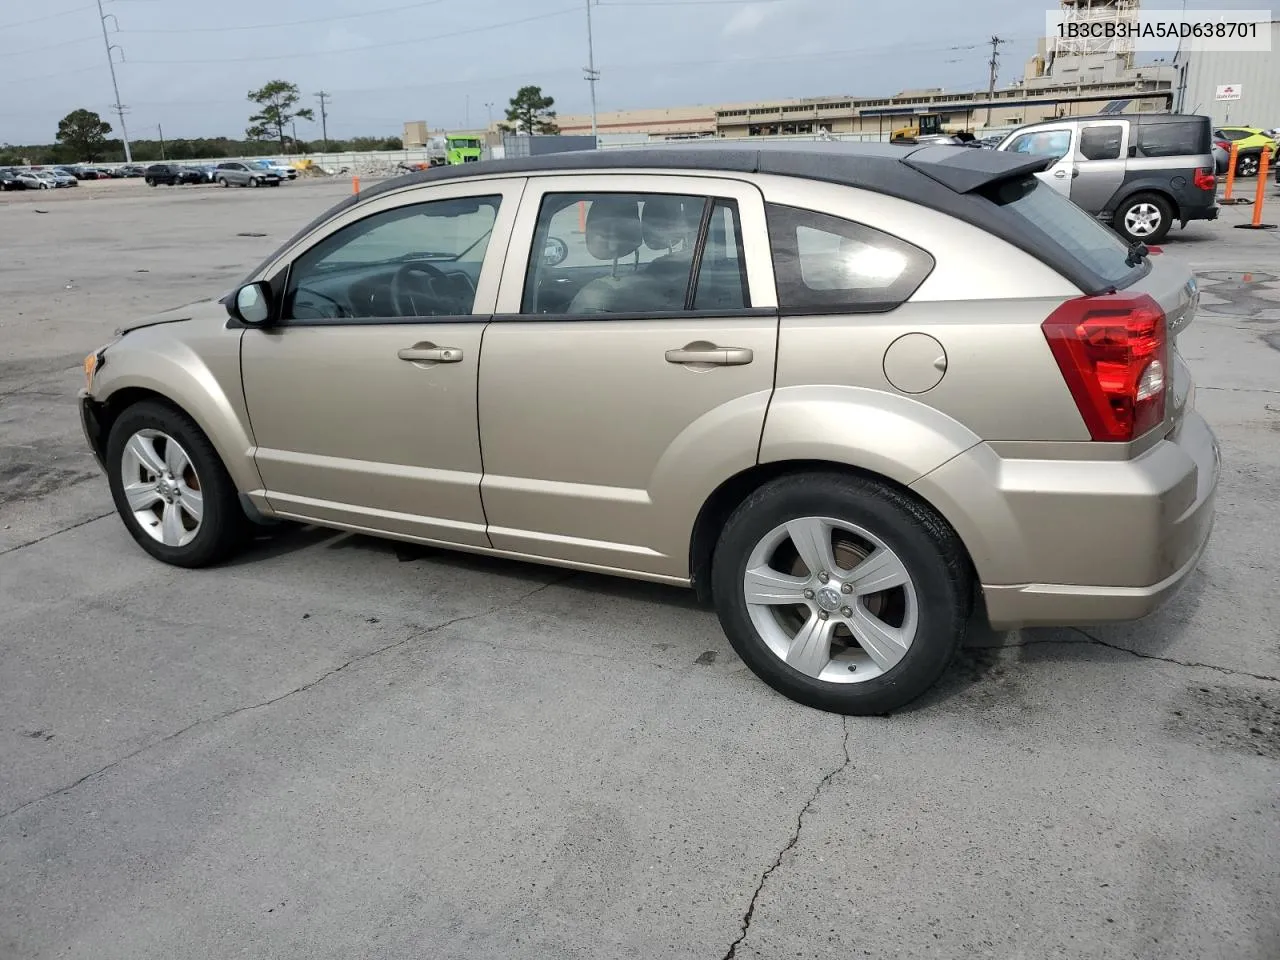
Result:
1253,79
1065,77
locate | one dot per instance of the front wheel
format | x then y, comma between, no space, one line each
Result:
1247,166
841,593
253,182
222,182
1145,218
171,489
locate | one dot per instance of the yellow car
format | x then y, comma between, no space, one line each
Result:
1250,141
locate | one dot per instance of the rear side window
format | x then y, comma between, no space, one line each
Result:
1043,143
1177,138
1101,142
825,264
1053,220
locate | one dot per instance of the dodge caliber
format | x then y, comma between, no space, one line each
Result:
855,396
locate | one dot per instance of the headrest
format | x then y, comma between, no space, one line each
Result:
668,220
613,228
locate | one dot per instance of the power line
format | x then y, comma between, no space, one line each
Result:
371,46
48,16
49,46
295,23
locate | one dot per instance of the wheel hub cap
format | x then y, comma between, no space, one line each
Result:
828,599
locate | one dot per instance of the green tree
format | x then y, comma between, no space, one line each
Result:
278,106
84,135
530,112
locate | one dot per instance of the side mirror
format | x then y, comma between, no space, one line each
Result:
251,304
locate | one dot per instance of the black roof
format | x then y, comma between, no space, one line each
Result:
883,167
946,178
1146,119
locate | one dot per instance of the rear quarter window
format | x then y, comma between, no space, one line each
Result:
1178,138
826,264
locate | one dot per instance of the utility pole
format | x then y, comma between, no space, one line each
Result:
488,111
324,118
293,125
466,114
590,71
124,134
161,129
995,64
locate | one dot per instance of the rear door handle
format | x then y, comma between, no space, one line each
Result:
430,354
720,356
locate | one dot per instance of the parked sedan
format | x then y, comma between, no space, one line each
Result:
9,180
37,180
237,173
63,177
723,382
285,171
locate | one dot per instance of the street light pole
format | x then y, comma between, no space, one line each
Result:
124,133
591,73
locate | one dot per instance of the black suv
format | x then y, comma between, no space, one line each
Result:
171,175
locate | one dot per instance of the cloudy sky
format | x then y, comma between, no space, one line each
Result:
189,63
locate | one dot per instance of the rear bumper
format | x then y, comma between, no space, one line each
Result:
1062,542
1207,209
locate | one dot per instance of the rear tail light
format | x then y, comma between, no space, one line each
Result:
1206,180
1224,144
1113,353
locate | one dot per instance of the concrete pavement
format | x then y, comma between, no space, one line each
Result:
340,747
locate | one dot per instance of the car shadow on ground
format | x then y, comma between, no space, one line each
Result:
987,670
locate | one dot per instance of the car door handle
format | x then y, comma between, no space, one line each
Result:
1059,174
711,354
430,354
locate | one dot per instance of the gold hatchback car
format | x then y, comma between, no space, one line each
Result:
853,395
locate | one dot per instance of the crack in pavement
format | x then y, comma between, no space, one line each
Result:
795,838
368,654
1090,638
48,536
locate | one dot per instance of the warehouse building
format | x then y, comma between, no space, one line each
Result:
1241,89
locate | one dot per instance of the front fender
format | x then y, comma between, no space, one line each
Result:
885,433
200,374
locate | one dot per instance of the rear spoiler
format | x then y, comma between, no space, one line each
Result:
965,170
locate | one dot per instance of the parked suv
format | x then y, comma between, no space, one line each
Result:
237,173
1250,143
849,393
1138,172
170,174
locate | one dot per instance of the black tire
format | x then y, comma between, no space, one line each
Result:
930,550
222,182
1247,164
253,182
1164,210
223,528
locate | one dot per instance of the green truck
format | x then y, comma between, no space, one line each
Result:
462,149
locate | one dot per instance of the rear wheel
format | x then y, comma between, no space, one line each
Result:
171,489
840,592
1145,218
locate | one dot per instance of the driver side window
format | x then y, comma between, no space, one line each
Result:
419,260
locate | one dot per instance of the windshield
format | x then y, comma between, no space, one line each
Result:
1053,219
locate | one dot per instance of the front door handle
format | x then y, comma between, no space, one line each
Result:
711,354
1059,173
419,354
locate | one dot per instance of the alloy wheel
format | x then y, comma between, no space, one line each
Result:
831,599
162,488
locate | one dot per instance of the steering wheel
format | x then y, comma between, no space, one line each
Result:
419,277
